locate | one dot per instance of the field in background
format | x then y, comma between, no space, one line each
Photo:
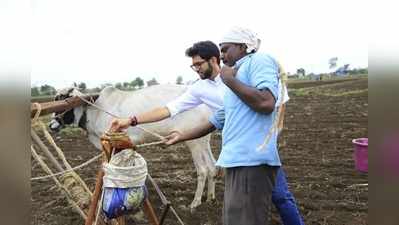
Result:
322,118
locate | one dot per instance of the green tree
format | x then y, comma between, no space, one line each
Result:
179,80
133,84
47,90
126,85
119,86
34,91
364,71
139,82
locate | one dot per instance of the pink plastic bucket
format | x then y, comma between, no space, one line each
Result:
361,154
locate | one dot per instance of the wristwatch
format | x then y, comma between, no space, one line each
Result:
133,121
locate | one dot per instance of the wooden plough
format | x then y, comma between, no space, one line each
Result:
86,210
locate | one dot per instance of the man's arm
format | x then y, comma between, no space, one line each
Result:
154,115
216,121
184,102
261,101
197,132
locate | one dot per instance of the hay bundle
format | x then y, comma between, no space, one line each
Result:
78,192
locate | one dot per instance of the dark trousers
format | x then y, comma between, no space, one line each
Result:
248,195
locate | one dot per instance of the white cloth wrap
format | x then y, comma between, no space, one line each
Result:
241,35
126,169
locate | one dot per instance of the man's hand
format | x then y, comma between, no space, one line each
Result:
173,138
227,72
120,124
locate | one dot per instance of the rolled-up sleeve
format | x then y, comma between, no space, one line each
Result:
264,75
186,101
217,119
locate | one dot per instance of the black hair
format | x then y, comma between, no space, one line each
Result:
204,49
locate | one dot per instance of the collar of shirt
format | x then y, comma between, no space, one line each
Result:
242,60
217,80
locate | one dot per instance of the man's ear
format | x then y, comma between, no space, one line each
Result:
243,47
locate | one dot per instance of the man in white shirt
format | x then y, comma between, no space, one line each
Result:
206,62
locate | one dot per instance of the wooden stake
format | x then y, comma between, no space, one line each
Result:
94,200
152,217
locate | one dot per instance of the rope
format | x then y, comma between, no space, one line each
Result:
66,191
52,142
115,116
87,163
62,156
37,114
276,121
69,170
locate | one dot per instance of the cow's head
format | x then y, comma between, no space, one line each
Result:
75,116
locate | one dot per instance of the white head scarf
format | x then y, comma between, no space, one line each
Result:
241,35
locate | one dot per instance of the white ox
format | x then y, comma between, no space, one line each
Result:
124,104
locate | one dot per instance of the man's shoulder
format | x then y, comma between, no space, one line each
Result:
261,57
196,87
197,84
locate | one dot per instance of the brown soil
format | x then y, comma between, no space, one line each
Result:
316,150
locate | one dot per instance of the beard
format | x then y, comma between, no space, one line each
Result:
207,73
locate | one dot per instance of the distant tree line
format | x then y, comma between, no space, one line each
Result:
42,90
358,71
301,73
137,83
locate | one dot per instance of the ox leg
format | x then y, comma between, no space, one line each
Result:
212,170
196,147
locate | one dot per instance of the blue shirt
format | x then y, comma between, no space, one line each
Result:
244,130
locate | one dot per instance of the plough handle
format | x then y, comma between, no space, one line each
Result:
94,201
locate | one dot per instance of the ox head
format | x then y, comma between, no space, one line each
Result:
75,116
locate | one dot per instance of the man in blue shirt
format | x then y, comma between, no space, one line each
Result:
245,120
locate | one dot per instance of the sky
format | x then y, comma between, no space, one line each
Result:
100,41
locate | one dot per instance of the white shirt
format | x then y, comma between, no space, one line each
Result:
208,92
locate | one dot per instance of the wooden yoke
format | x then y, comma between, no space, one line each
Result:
111,144
61,105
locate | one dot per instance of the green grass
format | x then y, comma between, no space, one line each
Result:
299,92
70,131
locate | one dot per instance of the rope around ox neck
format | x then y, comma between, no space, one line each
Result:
115,116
